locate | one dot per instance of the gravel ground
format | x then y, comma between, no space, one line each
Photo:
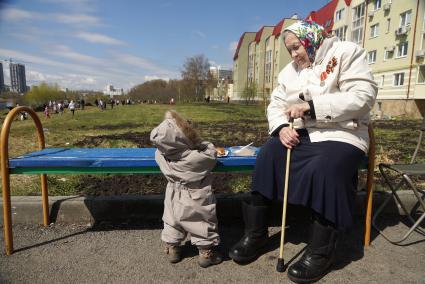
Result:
132,253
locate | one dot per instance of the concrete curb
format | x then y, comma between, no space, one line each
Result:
75,209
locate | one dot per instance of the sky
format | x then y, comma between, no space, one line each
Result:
87,44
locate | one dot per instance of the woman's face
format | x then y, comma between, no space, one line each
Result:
296,50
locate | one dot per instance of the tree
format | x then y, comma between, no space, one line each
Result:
195,72
155,90
42,94
249,92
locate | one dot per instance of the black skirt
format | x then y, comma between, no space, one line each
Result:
322,176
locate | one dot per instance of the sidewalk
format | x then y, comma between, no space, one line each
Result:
106,240
132,253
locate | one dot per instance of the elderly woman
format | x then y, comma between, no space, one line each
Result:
328,90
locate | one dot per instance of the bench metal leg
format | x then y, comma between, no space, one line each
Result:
45,198
5,173
7,215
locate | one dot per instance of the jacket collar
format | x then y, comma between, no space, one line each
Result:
324,48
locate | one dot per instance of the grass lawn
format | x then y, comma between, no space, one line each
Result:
130,125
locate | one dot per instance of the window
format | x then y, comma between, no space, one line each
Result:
251,60
268,66
398,79
339,15
402,49
388,25
377,5
374,30
423,41
421,74
340,32
357,23
388,53
371,57
381,81
423,26
328,23
405,18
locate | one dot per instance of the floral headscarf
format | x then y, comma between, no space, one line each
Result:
310,35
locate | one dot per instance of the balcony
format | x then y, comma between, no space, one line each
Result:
420,53
387,6
390,48
402,30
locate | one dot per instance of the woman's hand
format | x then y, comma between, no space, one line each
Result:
288,137
297,110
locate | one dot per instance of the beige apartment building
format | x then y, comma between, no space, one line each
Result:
240,65
391,31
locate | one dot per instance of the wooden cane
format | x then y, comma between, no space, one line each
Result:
280,267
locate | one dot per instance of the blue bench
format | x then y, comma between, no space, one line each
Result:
102,161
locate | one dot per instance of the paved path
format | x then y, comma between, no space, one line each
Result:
133,254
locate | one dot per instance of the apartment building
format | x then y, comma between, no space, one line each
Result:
394,36
18,82
240,65
391,31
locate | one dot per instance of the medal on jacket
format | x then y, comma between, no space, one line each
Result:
329,68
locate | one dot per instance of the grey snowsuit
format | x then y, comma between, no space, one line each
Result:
189,205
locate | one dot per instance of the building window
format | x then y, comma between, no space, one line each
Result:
268,66
421,74
388,53
398,79
328,23
377,5
388,25
340,32
405,18
339,15
423,41
423,26
371,57
402,49
357,23
381,81
374,30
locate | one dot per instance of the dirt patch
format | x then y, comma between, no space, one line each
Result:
95,185
141,139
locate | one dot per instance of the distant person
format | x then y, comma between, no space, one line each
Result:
71,107
22,115
112,102
171,101
101,105
46,111
96,102
189,205
82,104
60,108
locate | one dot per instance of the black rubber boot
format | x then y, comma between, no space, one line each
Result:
318,257
256,234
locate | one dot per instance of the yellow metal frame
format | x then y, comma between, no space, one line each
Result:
5,174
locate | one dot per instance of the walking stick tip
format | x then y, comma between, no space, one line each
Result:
280,267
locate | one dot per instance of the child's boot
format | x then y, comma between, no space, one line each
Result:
209,256
174,252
